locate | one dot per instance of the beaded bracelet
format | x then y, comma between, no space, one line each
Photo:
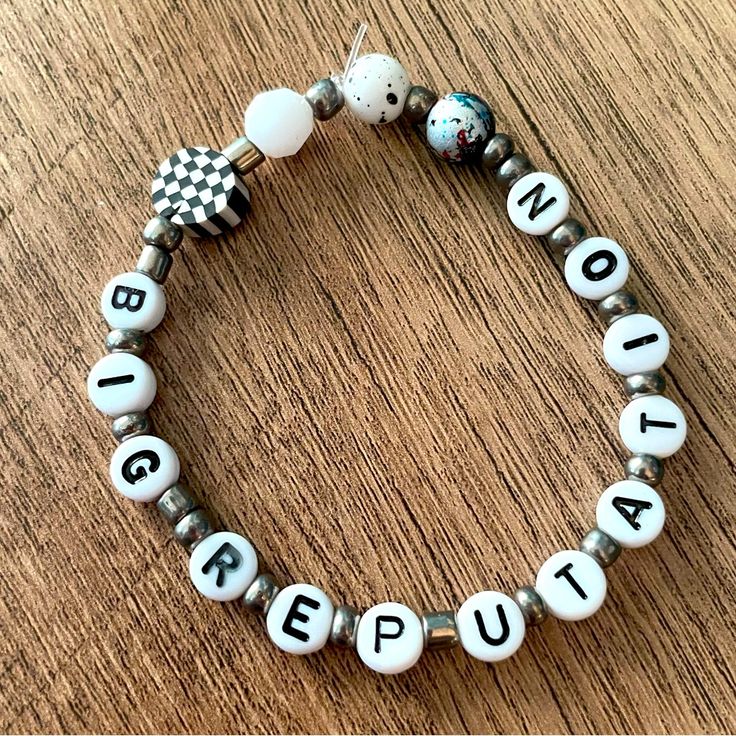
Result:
199,192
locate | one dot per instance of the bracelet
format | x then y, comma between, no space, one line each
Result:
200,192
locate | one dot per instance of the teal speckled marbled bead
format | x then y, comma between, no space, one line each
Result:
459,126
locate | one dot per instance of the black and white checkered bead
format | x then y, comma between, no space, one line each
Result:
199,190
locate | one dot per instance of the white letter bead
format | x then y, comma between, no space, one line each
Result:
375,88
630,512
390,638
572,585
596,268
132,301
538,203
223,566
278,122
143,467
299,619
490,625
121,383
652,425
636,344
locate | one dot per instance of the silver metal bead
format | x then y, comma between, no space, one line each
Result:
344,626
512,169
617,305
193,528
260,594
646,468
126,341
531,605
566,236
499,148
419,101
243,155
176,503
604,550
162,233
440,630
644,384
154,263
325,98
131,425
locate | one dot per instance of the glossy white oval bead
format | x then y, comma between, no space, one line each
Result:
630,512
652,425
572,584
223,566
596,268
132,301
390,638
279,122
490,625
121,383
375,88
538,203
299,619
143,467
636,344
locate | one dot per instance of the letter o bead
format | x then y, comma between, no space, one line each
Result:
491,626
596,268
538,203
223,566
142,468
390,638
630,512
300,619
121,383
132,301
652,425
572,585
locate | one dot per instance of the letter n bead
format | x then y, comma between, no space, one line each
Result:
223,566
390,638
538,203
491,626
300,619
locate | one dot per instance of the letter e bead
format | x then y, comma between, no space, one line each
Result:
223,565
299,619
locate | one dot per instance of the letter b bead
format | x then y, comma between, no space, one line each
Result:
390,638
223,565
300,619
132,301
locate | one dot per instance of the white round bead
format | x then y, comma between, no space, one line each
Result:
278,122
636,344
121,383
490,625
630,512
299,619
390,638
223,566
652,425
572,585
596,268
143,467
538,203
132,301
375,88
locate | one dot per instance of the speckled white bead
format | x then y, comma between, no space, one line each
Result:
572,584
652,425
121,383
223,566
637,343
132,301
390,638
630,512
299,619
538,203
143,467
596,268
279,122
375,88
490,625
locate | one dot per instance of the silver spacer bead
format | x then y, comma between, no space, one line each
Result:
243,155
154,263
126,341
531,605
419,101
602,548
499,148
261,593
193,528
325,98
566,236
617,305
162,233
344,626
131,425
644,384
440,630
512,169
645,468
176,503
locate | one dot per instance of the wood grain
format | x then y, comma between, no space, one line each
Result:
388,388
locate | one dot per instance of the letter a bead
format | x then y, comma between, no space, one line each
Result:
390,638
491,626
299,619
223,566
630,512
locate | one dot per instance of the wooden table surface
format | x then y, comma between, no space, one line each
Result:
391,391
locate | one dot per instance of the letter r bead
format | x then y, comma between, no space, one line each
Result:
223,565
